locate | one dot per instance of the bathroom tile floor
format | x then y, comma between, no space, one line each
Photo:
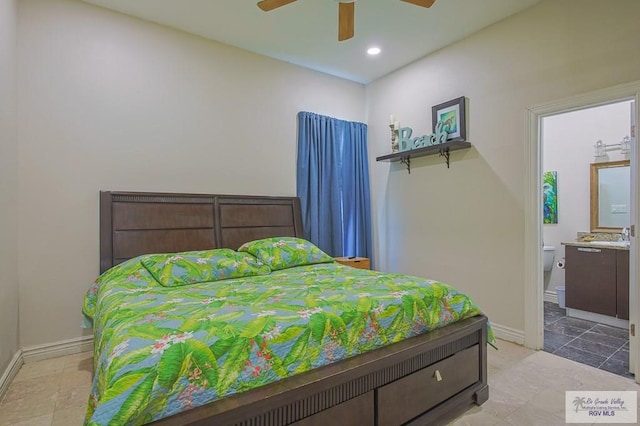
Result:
587,342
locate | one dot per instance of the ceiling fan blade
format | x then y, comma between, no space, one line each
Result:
268,5
346,18
423,3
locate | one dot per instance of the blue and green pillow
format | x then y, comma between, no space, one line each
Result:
177,269
285,252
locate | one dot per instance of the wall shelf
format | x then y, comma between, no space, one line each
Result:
404,157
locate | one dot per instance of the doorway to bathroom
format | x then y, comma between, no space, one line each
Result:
582,319
540,286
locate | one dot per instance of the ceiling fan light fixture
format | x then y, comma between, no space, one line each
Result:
346,13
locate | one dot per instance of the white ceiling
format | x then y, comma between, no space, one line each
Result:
305,32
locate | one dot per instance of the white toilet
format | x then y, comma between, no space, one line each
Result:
548,253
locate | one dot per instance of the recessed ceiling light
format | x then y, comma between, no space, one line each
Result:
373,50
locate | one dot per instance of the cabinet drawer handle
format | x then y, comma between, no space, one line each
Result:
438,376
589,250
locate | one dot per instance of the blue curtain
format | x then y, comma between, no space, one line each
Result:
333,184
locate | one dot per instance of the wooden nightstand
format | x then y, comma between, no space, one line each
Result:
356,262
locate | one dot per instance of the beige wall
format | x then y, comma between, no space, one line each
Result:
112,102
8,186
465,225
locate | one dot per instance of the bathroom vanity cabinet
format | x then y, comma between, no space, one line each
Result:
597,280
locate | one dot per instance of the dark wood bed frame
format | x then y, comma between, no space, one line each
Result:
428,379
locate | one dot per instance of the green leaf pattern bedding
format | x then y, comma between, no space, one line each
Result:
161,350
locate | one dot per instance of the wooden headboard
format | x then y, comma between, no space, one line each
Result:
135,223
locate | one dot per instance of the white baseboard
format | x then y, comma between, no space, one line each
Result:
508,334
550,296
40,352
10,373
56,349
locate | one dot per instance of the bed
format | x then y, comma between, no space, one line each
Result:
308,352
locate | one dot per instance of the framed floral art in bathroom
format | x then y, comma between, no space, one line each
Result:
550,197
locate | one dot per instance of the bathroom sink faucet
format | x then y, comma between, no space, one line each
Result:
625,234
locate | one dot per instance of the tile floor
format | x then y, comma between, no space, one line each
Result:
49,392
587,342
526,388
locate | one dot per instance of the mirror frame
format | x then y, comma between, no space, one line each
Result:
595,167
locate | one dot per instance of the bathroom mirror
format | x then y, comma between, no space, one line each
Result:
610,196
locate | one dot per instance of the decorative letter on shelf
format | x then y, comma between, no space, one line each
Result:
423,145
406,143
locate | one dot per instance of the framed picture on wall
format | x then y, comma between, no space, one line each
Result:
453,118
550,197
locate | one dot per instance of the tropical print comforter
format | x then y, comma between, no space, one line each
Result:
161,350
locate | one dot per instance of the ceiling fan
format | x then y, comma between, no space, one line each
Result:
346,13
